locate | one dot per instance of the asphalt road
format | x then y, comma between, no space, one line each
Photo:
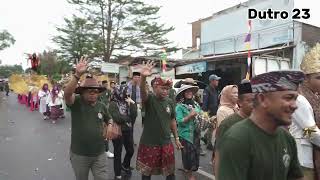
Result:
34,149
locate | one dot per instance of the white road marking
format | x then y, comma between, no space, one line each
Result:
211,176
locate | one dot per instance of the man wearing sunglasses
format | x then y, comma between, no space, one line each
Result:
87,117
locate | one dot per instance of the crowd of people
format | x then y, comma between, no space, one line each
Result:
252,124
48,102
265,128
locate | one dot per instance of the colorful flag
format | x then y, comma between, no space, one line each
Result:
248,48
248,38
164,60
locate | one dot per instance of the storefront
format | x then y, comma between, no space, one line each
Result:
232,68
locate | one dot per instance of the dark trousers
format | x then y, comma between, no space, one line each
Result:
106,143
208,135
125,140
7,93
170,177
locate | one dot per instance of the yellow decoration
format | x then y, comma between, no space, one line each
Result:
23,84
311,61
18,85
307,131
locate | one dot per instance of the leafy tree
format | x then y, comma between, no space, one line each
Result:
120,28
52,66
6,40
7,70
76,38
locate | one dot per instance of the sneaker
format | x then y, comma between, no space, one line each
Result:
53,122
117,177
202,152
210,147
204,140
126,170
110,154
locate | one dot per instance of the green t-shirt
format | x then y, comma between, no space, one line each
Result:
185,129
246,152
226,124
87,127
172,94
105,97
158,117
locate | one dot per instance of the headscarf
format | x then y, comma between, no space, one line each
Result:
54,93
45,87
119,95
226,98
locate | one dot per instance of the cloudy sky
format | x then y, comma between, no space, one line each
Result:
33,22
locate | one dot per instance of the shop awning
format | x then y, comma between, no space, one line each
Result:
223,57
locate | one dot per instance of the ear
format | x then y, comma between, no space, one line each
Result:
262,99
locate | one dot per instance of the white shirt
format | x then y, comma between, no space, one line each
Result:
302,118
58,101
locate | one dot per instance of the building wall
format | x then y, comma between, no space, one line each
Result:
298,51
306,36
196,32
310,34
225,32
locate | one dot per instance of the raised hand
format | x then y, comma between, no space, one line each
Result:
81,67
146,68
129,101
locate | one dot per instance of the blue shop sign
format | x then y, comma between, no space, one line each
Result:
192,68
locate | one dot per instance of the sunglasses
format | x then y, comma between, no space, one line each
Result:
92,91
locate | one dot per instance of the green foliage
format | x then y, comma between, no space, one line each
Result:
112,28
56,77
7,70
6,40
52,66
76,39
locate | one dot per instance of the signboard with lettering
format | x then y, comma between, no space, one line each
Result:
192,68
110,68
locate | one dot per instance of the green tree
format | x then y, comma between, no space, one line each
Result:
7,70
121,28
75,39
6,40
52,66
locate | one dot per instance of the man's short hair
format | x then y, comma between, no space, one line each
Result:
136,74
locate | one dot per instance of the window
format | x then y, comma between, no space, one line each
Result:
198,43
260,66
273,65
285,65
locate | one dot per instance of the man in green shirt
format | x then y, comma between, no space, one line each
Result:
87,118
258,148
156,152
245,102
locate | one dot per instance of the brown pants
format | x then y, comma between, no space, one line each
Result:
83,164
308,173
